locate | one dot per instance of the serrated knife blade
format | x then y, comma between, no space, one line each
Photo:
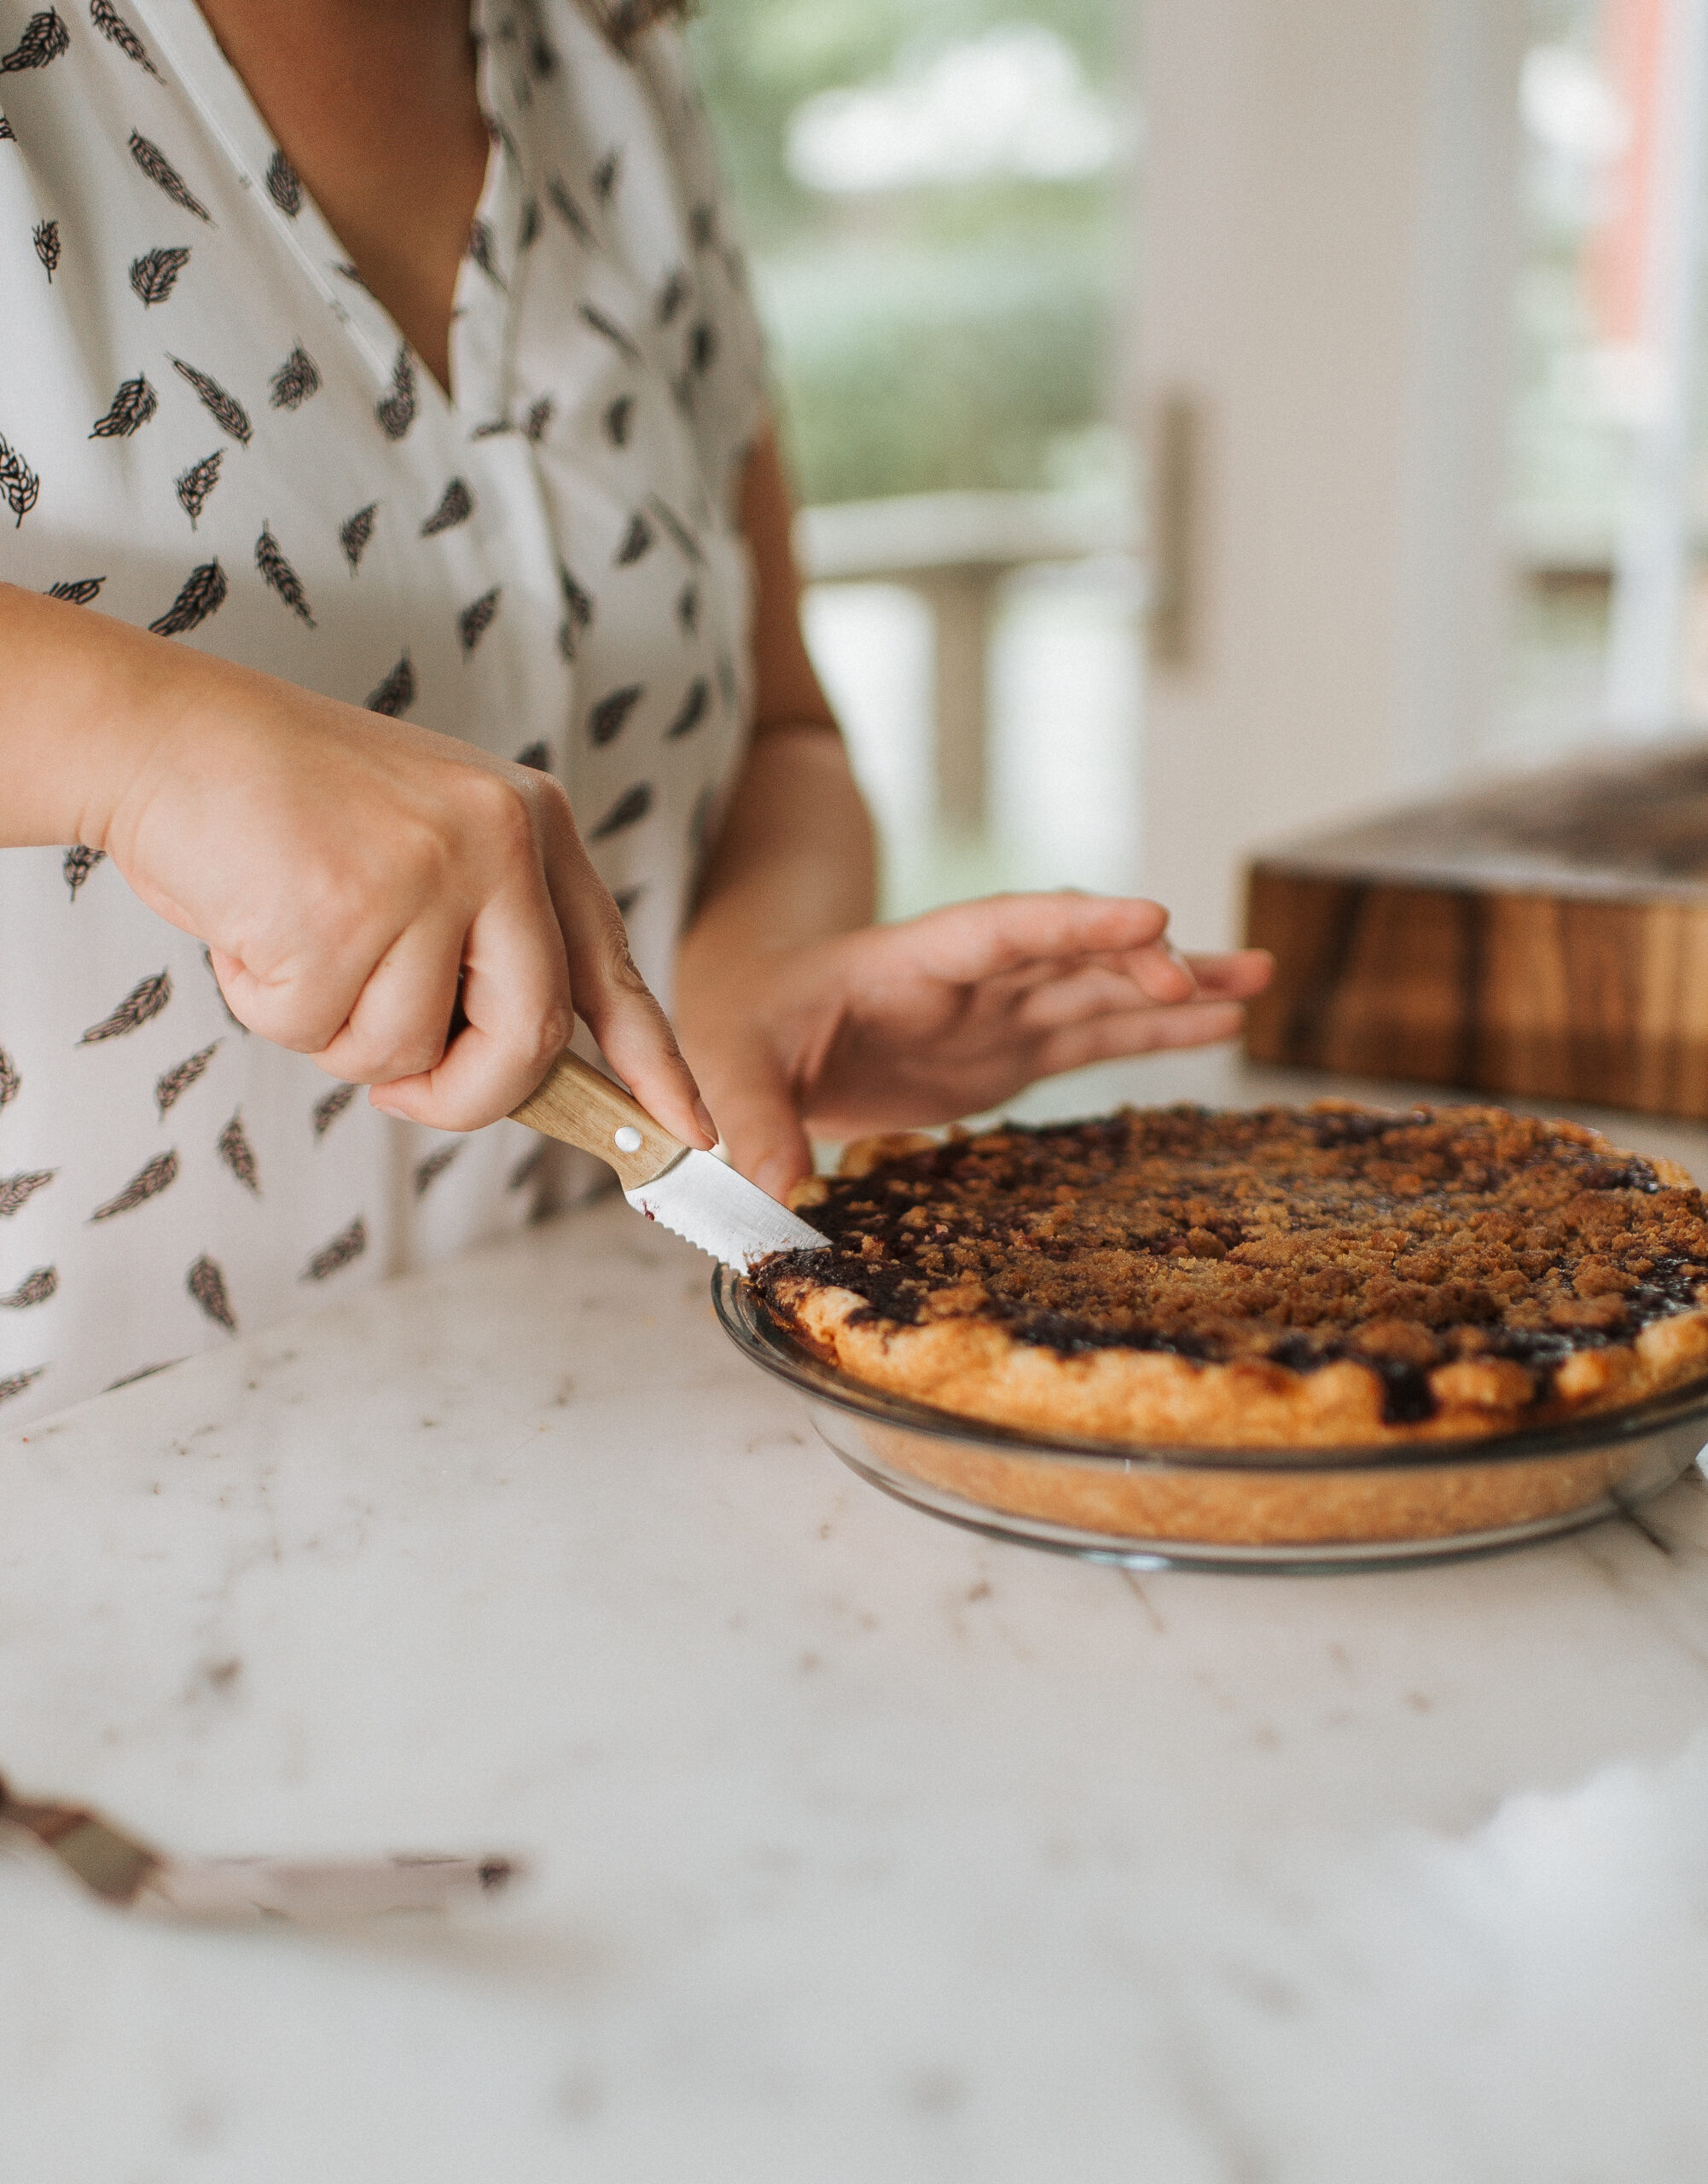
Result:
702,1198
695,1194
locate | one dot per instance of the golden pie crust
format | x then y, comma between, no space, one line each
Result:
1328,1277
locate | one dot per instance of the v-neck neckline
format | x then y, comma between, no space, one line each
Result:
223,102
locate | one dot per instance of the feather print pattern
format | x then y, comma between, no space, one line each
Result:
349,1243
578,614
160,171
114,27
278,575
235,1149
605,722
476,618
577,601
194,486
482,249
526,1168
15,1383
45,37
326,1111
558,197
673,295
396,410
202,593
692,710
355,532
206,1284
284,187
428,1171
7,134
144,1001
171,1089
129,409
18,484
687,543
396,694
80,862
17,1191
226,411
189,1140
602,323
162,1172
629,808
456,505
154,274
295,380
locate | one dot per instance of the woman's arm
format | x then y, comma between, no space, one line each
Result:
797,1013
352,876
795,860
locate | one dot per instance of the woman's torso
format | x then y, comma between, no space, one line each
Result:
210,428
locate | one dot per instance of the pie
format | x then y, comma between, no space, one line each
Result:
1333,1275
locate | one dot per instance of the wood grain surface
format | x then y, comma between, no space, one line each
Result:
1547,938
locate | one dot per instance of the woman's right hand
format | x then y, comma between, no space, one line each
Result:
354,878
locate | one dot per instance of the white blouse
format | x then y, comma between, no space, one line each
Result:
209,427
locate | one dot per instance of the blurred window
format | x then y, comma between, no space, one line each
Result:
935,193
936,197
1611,452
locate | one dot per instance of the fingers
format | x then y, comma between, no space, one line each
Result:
970,941
516,1000
762,1130
397,1026
1144,1031
617,1006
303,1016
1233,977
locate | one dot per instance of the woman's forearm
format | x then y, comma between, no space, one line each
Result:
794,861
85,702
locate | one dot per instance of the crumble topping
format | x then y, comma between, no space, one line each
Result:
1404,1242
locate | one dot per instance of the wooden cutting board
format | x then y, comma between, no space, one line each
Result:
1547,936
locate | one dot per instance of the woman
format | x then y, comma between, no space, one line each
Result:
382,433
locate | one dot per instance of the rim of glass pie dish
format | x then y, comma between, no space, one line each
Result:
750,1325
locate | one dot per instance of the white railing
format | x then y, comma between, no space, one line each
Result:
954,550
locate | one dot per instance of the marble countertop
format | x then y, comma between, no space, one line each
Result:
865,1848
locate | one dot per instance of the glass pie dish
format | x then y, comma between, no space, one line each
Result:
1275,1508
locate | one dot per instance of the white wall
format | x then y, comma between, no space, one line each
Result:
1329,229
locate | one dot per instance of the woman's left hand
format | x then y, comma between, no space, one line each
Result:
896,1027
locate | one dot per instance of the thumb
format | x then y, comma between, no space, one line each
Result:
762,1129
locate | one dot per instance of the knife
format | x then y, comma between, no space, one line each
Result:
695,1194
135,1876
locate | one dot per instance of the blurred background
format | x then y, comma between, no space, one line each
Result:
1212,418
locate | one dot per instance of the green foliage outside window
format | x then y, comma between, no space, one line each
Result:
938,333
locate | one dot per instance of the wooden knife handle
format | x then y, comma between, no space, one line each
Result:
576,1105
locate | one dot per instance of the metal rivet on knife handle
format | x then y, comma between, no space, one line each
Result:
578,1106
